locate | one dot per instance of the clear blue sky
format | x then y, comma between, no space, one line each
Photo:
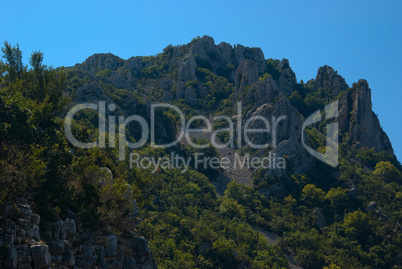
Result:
360,39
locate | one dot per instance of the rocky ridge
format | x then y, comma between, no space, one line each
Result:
262,89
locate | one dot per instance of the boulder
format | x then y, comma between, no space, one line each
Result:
24,223
319,219
40,256
56,247
25,210
68,229
68,258
142,253
33,233
372,206
35,219
111,246
10,258
24,257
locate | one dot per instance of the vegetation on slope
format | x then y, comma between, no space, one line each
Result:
186,224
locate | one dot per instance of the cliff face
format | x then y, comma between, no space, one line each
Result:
355,110
357,118
29,243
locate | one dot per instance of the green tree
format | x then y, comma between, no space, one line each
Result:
338,198
387,171
357,226
313,195
231,209
36,61
13,57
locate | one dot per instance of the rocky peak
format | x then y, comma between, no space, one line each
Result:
253,54
101,61
204,48
287,79
218,57
357,118
283,64
328,79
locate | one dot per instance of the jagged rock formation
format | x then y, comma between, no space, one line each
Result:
357,118
329,80
66,244
287,135
355,110
261,85
219,57
267,98
287,79
238,63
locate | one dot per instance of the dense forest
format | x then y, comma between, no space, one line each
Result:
319,217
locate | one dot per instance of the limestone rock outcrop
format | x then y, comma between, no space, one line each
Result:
218,57
285,135
287,79
357,118
328,79
101,61
66,244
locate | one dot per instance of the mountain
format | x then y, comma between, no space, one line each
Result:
328,195
209,79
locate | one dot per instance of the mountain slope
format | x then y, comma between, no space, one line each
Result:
345,216
208,79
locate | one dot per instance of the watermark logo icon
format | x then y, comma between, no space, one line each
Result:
330,156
